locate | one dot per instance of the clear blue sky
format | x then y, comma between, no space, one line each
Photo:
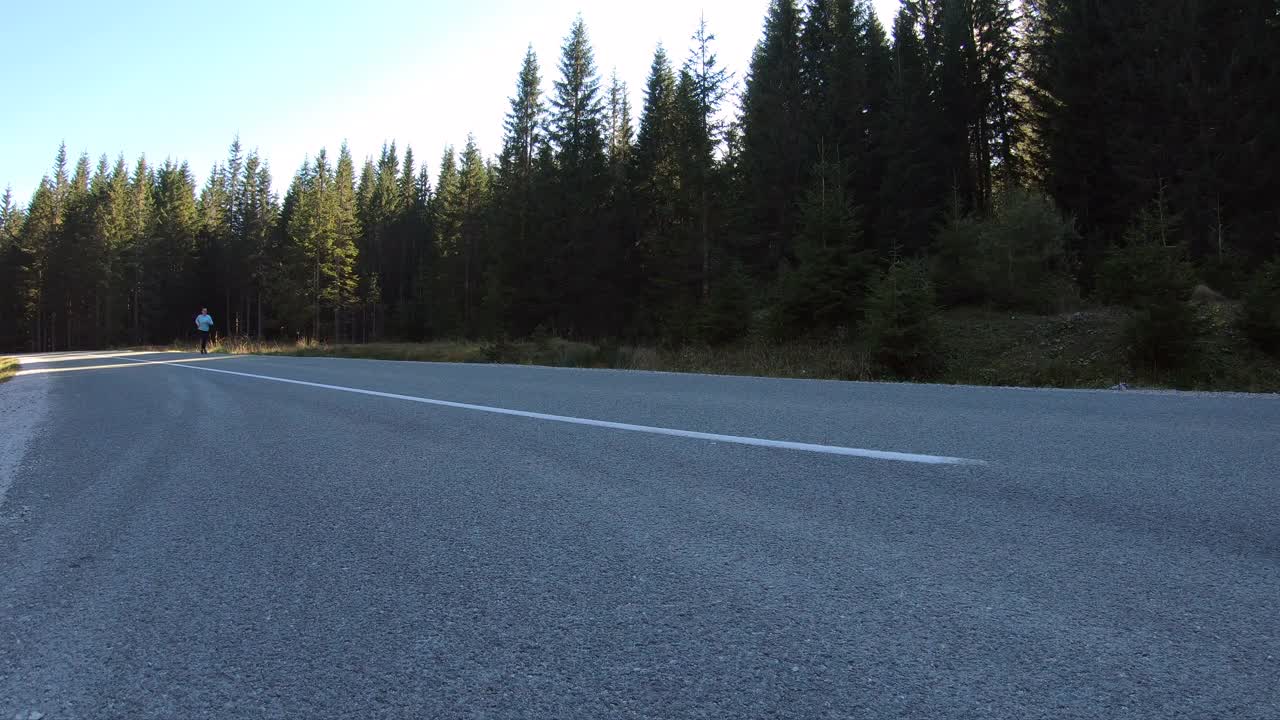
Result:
180,80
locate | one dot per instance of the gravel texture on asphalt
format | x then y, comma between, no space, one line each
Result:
184,544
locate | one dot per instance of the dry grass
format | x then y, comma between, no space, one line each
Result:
800,360
554,352
8,368
831,360
1081,349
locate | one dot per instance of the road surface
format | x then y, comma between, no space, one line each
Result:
321,538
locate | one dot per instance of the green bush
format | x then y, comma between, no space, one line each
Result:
1226,272
1163,337
825,288
1153,275
901,321
1260,314
1014,259
727,317
825,292
1149,266
959,264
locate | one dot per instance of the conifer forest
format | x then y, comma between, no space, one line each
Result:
1035,157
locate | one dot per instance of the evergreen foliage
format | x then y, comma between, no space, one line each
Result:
1260,319
1015,258
1031,155
901,321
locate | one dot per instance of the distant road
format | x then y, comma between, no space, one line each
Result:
321,538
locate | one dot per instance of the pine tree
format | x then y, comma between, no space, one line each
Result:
708,87
10,219
446,221
584,257
972,53
577,120
523,254
288,294
111,226
472,216
64,291
826,288
257,215
870,129
343,280
621,134
826,25
15,275
621,219
773,168
412,234
141,201
167,268
39,233
913,187
901,321
312,230
231,268
658,177
657,152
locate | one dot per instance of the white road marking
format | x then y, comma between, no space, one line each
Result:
126,364
628,427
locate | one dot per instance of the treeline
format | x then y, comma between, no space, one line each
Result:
1011,154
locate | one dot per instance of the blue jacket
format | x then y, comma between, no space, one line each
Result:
204,322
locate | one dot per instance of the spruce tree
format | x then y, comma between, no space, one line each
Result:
825,288
519,221
621,134
344,279
311,230
472,217
446,222
111,225
15,275
657,152
708,87
168,273
912,192
39,232
584,257
140,209
658,178
772,163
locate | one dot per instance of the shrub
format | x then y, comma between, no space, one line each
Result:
901,323
825,292
826,287
1260,314
1153,275
1226,272
727,317
1162,337
1015,259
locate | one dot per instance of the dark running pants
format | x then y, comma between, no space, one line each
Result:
204,341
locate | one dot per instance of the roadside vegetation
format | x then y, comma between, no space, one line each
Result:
8,368
1086,197
1086,348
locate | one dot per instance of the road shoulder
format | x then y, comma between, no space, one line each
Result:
24,404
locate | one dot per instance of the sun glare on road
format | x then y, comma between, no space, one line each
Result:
129,364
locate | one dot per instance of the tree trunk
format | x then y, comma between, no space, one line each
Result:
706,247
316,330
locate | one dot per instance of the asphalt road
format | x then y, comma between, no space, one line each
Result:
179,543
